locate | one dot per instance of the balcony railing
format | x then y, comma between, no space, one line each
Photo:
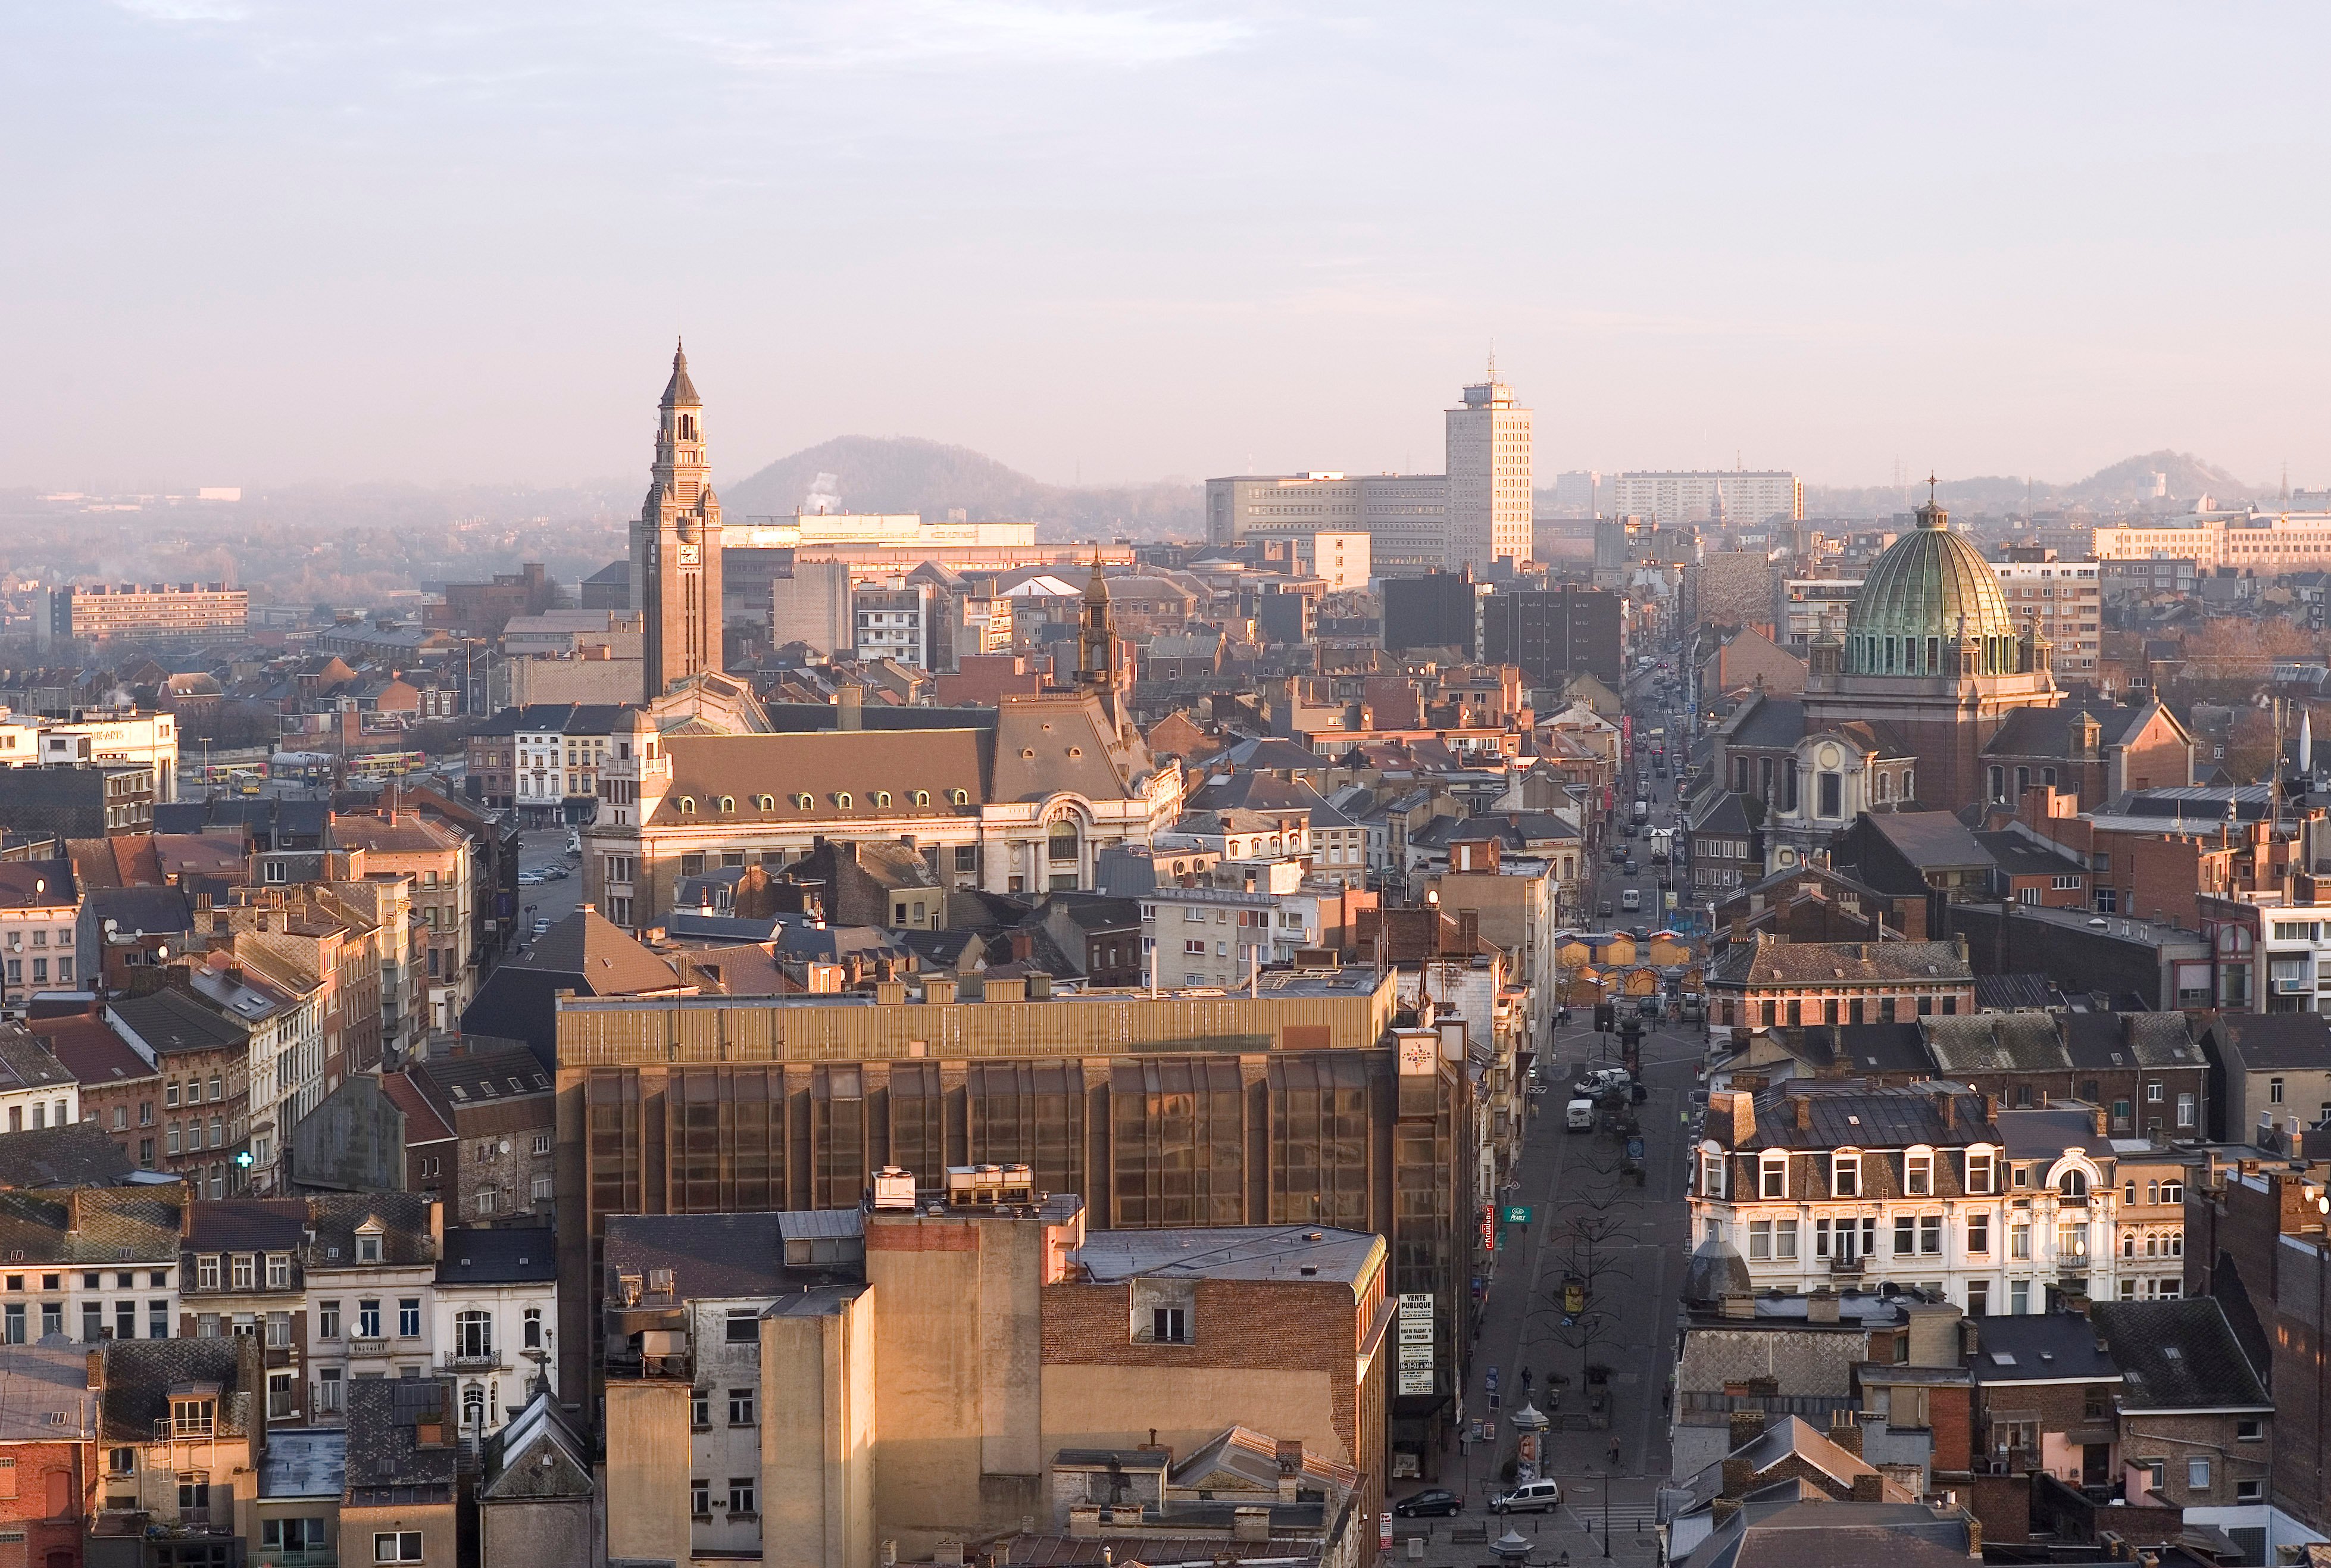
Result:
461,1360
679,1365
368,1347
1846,1265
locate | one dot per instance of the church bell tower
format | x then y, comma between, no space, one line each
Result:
676,545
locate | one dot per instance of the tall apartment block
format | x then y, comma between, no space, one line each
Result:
1488,464
1737,496
160,613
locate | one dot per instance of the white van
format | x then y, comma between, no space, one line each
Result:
1631,898
1529,1497
1578,1116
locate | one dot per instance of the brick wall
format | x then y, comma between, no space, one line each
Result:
41,1495
476,1160
2173,1438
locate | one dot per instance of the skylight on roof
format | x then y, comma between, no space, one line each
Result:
2003,1358
458,1092
2175,1353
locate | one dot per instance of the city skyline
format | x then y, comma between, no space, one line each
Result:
271,248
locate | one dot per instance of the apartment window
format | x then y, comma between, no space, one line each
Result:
1785,1239
1979,1298
278,1271
1906,1235
2250,1491
540,1188
1978,1172
1978,1234
327,1391
1772,1177
699,1499
396,1546
740,1497
2197,1473
1918,1175
368,1318
368,1249
2274,1091
327,1320
1760,1241
206,1269
282,1396
488,1197
699,1409
740,1407
2019,1296
2249,1430
193,1418
1711,1175
1845,1176
533,1321
12,1323
1169,1326
2019,1240
744,1325
474,1335
408,1317
2186,1110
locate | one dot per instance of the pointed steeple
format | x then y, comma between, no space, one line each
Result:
680,392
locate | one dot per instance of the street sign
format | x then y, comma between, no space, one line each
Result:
1634,1148
1516,1215
1490,1380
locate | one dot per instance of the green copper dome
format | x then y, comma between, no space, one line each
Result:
1929,590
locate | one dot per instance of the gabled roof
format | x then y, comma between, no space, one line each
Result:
712,1257
609,959
2047,731
1995,1042
2041,1347
1856,1115
535,1458
139,1373
2099,1040
1929,840
423,1125
2178,1355
248,1225
2278,1039
1772,723
79,1156
1764,962
169,1020
92,1053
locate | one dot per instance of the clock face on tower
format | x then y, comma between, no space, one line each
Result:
688,555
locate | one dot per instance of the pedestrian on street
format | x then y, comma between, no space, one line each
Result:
1614,1452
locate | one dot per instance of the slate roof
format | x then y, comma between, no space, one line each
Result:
1856,1115
2272,1040
1785,1531
423,1125
1774,723
2097,1041
823,765
139,1373
93,1053
2048,731
2044,1134
1890,1048
1930,839
79,1156
141,909
387,1465
44,1394
518,1255
712,1257
1767,963
2015,992
2019,856
1995,1042
477,1077
248,1225
37,884
2038,1347
92,1225
335,1217
26,1062
1273,754
2177,1356
169,1020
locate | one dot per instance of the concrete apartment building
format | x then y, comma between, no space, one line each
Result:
1488,458
910,1420
896,619
1404,516
1742,498
436,857
176,613
2265,543
2066,598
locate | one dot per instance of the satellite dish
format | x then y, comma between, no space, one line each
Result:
112,925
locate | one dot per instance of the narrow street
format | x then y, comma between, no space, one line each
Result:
1564,1176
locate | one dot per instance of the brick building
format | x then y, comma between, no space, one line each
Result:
46,1441
2046,1395
1765,983
203,1058
496,1165
2197,1426
120,1090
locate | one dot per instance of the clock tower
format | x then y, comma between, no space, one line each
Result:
676,545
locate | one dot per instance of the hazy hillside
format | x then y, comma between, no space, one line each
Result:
2124,486
865,473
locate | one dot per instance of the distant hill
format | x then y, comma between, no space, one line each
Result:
2123,485
867,473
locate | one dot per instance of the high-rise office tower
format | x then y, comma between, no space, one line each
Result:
676,545
1489,469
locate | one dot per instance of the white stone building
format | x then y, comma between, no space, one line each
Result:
495,1319
1830,1184
1490,502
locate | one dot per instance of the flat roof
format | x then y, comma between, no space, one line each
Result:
1228,1253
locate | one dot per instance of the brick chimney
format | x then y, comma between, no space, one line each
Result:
1821,1307
2096,1114
1803,1106
1946,1107
1846,1433
1745,1427
1869,1487
1737,1474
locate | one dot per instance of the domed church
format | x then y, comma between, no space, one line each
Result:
1897,707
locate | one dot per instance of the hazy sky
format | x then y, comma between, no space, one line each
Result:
251,241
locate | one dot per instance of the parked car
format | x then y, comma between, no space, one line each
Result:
1426,1504
1529,1497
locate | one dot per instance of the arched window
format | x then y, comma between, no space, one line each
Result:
922,797
533,1328
882,797
804,802
842,799
1063,841
962,797
473,1333
1909,785
1885,785
474,1406
766,802
2073,1184
688,805
729,803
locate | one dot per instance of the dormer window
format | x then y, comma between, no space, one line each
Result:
802,802
1773,1174
962,797
766,802
1979,1165
1711,1174
1918,1174
2073,1184
922,797
882,797
368,1249
729,803
1845,1174
688,805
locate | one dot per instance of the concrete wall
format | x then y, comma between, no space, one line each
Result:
440,1537
649,1452
957,1341
352,1142
817,1463
526,1534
